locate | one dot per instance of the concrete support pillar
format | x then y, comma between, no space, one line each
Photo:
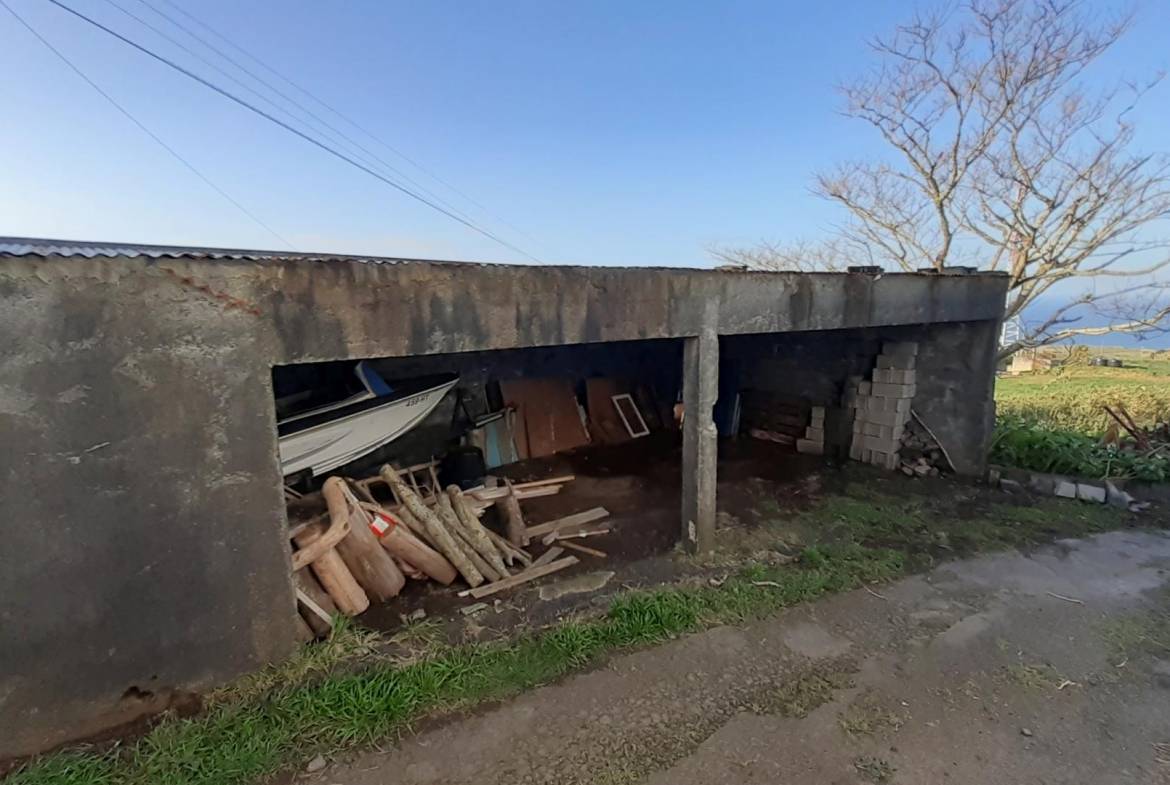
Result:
700,390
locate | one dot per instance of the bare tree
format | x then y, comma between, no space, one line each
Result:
1000,158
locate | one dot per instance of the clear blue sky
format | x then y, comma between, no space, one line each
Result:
609,132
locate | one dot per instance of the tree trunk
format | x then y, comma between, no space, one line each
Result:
312,588
334,576
401,542
443,539
373,568
513,518
474,530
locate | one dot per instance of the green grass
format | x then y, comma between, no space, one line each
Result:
259,734
1028,444
346,694
1073,398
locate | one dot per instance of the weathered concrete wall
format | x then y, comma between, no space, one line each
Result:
956,374
141,500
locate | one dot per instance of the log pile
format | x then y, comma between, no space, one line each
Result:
362,551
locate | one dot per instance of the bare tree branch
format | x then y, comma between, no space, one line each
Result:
1000,159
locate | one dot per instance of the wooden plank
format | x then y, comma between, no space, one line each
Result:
561,480
582,549
547,556
533,493
576,519
561,534
531,574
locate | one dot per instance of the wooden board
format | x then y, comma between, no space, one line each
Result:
576,519
548,408
531,574
604,422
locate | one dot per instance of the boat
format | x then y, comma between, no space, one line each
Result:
325,437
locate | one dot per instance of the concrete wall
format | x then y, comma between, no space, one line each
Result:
143,518
956,367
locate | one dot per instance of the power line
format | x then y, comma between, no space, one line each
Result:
174,153
224,72
487,211
336,132
291,129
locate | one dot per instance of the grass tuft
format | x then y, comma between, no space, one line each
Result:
355,689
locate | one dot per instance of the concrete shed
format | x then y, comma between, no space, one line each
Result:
145,534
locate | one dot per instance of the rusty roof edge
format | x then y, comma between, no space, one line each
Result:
89,249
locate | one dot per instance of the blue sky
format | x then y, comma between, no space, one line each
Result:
610,133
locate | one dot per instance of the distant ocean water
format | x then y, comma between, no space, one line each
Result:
1042,309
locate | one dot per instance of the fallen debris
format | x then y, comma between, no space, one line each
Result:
583,549
1066,599
530,574
578,584
576,519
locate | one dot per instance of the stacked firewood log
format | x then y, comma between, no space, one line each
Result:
363,550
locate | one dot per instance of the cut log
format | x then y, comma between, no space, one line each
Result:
513,518
434,526
509,551
334,576
309,590
576,519
531,574
475,533
398,540
336,532
451,523
373,568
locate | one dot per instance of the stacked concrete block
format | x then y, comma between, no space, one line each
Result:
882,406
814,435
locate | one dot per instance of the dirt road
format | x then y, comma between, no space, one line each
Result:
1052,667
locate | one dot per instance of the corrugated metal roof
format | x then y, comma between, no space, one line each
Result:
34,246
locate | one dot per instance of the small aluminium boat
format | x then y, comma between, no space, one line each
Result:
326,437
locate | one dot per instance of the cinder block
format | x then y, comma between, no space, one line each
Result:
1090,493
1065,489
866,454
898,362
891,418
810,447
893,390
886,460
900,377
855,450
871,429
892,432
815,434
900,348
858,425
818,412
879,444
865,388
893,376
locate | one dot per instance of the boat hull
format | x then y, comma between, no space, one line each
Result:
329,445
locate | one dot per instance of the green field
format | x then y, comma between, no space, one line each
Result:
1053,420
1073,397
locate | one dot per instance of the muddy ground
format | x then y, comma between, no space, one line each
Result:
1047,667
640,485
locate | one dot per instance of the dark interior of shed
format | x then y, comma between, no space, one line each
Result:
573,429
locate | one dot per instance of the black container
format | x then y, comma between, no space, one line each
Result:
462,466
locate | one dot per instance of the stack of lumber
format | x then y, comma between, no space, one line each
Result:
774,417
362,551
